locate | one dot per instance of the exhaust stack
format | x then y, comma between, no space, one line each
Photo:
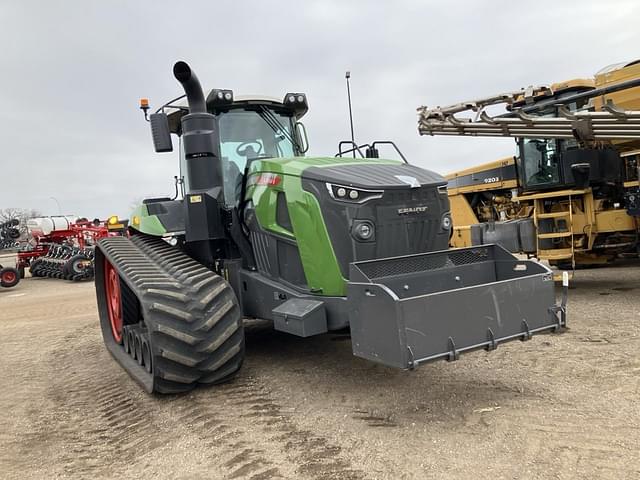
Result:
199,139
205,193
191,85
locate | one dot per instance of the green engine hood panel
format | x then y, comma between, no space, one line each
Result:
319,261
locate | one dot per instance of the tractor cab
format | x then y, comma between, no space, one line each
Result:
248,128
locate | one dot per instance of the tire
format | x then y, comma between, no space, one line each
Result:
35,267
77,267
9,277
21,272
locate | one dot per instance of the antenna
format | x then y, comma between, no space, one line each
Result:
347,76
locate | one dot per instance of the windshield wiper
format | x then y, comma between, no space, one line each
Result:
275,125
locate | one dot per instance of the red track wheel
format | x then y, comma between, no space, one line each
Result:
114,300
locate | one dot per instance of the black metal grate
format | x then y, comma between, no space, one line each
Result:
420,263
260,250
475,255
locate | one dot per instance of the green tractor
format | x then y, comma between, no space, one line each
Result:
313,244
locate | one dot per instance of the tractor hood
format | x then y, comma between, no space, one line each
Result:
374,176
310,218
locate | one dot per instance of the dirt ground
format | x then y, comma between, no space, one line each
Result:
558,406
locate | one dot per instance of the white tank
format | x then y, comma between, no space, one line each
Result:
45,225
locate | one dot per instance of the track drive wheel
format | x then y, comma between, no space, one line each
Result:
182,322
9,277
114,300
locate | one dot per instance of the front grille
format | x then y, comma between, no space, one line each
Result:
392,267
407,221
404,236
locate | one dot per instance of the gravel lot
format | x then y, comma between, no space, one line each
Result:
558,406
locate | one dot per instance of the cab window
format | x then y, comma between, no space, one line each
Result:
540,162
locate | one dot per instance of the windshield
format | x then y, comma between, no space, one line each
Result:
540,162
249,134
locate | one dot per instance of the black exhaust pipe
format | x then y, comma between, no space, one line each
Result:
191,85
204,198
199,139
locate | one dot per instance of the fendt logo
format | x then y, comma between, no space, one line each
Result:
412,210
411,181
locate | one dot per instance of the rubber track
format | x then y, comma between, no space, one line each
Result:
191,314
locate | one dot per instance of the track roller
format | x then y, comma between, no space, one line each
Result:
131,335
146,353
138,347
126,342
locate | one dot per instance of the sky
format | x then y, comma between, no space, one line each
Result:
72,73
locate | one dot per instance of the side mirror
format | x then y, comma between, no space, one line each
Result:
581,172
301,134
160,132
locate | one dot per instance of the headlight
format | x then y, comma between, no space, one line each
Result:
363,230
446,222
219,98
352,195
297,102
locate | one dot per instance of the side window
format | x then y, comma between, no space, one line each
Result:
540,160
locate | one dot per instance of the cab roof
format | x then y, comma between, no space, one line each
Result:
176,110
616,66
